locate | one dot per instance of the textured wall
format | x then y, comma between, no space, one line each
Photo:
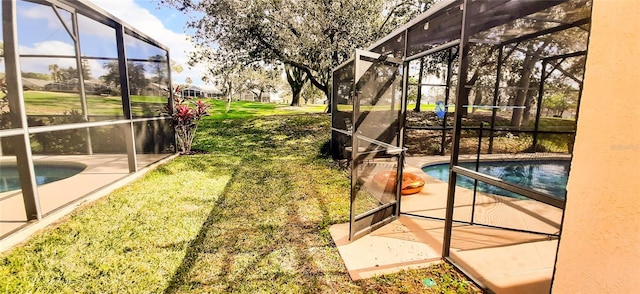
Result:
600,244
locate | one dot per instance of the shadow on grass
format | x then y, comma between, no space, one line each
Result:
259,106
232,114
267,232
195,246
325,150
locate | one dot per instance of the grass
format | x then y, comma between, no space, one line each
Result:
57,103
247,109
446,281
252,216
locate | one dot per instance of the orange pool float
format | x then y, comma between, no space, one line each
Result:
411,183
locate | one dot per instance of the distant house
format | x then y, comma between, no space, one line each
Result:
252,96
155,89
93,87
33,84
201,92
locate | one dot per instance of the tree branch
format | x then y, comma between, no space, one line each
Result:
393,11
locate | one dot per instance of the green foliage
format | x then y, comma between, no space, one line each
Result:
556,124
412,92
556,142
186,115
137,79
35,75
312,94
262,81
256,81
105,139
312,35
158,66
558,103
60,142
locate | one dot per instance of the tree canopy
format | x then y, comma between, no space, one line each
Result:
137,80
311,35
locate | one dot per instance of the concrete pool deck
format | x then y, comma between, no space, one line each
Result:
103,174
505,261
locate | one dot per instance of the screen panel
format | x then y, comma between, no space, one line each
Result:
376,142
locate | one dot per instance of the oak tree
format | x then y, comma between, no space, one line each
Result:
312,36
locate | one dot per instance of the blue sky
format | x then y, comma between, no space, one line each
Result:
164,24
173,19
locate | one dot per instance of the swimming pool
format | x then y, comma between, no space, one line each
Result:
45,173
548,176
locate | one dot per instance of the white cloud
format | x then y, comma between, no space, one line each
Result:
42,12
49,48
147,23
55,48
91,27
96,68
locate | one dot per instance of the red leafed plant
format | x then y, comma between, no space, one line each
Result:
186,115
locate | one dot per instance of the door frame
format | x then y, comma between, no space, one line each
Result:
362,224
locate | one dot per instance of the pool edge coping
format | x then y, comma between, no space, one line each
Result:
24,234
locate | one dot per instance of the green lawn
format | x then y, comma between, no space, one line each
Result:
251,216
248,109
58,103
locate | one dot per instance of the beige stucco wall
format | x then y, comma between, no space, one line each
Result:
600,242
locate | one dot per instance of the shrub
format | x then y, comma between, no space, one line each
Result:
186,115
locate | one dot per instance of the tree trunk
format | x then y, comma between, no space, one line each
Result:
326,94
477,100
296,78
464,95
324,85
526,115
522,89
295,100
531,98
230,96
528,65
259,96
419,98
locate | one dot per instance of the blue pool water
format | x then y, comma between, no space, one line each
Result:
548,176
45,173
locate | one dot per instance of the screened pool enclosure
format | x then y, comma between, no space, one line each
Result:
79,88
482,81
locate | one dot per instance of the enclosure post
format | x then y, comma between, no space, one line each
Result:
401,124
420,73
572,137
18,113
126,99
446,101
496,90
171,101
83,94
401,127
475,181
543,77
354,151
457,126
